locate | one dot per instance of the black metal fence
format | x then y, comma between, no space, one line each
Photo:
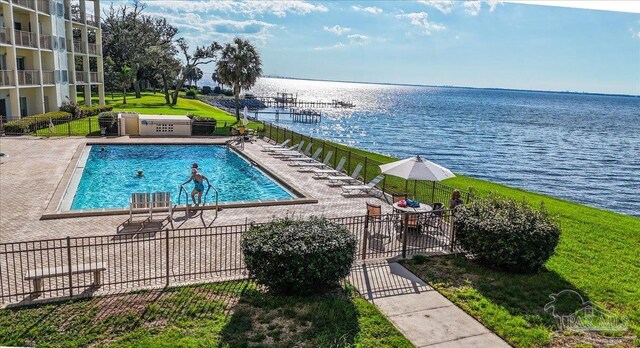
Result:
81,266
56,126
427,192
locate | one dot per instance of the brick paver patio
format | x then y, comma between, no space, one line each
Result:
33,169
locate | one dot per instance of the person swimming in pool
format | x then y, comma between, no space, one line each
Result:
198,180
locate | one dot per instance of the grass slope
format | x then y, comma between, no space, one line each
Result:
598,256
213,315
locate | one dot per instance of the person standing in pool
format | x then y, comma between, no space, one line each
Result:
198,180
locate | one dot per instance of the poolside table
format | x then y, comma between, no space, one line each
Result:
407,211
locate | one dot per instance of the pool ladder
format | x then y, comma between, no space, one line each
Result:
204,199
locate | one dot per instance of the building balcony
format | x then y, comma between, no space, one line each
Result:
78,47
44,6
85,18
6,78
25,3
46,42
81,77
93,49
95,77
25,38
4,35
48,78
28,77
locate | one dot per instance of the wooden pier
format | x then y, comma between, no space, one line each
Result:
296,115
288,100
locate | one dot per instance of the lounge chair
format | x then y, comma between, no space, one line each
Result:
269,148
305,159
293,149
362,188
323,173
345,179
309,166
285,155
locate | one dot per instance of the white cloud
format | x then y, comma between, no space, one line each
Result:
336,29
358,39
323,48
369,9
247,7
472,7
420,20
444,6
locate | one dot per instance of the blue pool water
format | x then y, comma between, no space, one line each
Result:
110,176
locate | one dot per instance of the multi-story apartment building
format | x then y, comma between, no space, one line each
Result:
50,52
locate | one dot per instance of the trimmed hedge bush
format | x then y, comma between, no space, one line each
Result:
80,111
507,235
202,125
33,123
109,120
299,257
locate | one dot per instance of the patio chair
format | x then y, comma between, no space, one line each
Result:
284,155
362,188
305,159
150,201
309,166
345,179
295,148
269,148
436,216
323,173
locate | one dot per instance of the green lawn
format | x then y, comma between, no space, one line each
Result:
213,315
148,104
598,255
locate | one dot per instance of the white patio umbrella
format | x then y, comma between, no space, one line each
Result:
415,168
245,120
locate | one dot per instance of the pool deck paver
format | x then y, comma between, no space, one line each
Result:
34,167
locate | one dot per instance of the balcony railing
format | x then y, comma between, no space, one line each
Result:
25,3
44,6
78,47
93,49
91,20
46,42
48,78
81,77
95,77
6,77
4,35
25,38
28,77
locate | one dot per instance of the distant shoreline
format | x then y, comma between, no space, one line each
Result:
461,87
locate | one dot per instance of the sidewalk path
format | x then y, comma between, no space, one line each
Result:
422,314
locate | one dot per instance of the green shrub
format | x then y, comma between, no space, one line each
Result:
33,123
108,120
202,125
508,235
85,111
217,90
298,257
191,93
227,92
206,90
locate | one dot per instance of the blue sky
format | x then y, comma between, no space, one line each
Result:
441,42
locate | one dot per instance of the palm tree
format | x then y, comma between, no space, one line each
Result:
125,79
239,67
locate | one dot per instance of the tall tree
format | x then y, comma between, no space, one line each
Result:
195,75
239,66
125,79
202,55
129,35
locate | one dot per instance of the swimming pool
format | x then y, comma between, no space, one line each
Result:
109,174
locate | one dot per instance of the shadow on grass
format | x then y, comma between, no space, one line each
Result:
329,320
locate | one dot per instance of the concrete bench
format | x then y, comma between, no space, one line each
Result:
37,275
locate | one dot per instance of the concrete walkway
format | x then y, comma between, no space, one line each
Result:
422,314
